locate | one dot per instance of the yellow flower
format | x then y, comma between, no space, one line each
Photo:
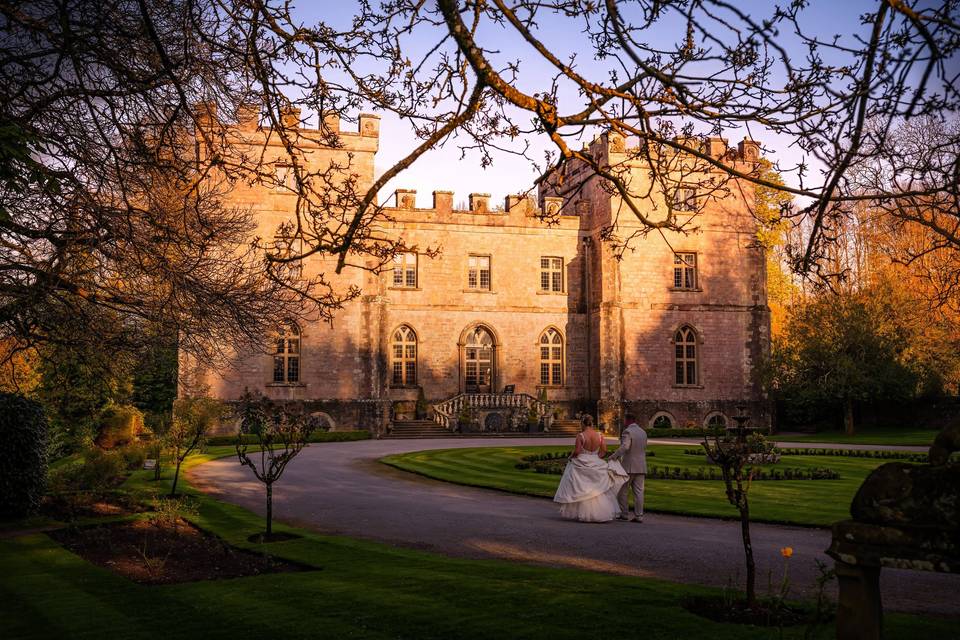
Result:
786,552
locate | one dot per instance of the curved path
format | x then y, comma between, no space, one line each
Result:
340,488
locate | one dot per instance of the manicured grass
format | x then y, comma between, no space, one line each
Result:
893,437
803,502
358,590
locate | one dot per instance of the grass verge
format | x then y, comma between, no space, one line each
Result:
890,437
799,502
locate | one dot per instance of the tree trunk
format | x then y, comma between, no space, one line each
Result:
156,468
848,416
748,552
269,511
176,476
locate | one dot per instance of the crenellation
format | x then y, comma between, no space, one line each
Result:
480,202
369,125
406,198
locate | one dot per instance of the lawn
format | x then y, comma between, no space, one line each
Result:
803,502
893,437
357,590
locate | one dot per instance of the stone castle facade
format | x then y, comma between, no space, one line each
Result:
673,330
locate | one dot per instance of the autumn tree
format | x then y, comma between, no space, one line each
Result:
838,350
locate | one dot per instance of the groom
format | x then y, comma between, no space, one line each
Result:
632,454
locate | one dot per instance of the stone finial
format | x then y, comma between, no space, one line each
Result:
290,117
480,202
443,200
369,125
749,150
552,206
406,198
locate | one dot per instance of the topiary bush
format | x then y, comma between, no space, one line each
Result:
118,425
23,465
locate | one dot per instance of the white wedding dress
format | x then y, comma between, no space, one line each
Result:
588,488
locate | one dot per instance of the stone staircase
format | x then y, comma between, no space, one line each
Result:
418,429
564,428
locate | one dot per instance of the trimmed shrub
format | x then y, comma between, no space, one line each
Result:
23,465
134,455
682,433
101,470
118,425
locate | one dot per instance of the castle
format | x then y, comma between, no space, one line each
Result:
673,330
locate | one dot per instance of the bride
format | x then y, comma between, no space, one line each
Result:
588,488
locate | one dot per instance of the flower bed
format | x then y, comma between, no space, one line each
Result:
920,458
554,464
165,552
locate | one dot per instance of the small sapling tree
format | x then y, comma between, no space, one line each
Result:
193,419
280,432
732,455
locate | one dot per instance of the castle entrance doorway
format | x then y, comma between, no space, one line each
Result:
479,361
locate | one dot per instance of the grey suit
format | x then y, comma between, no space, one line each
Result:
632,454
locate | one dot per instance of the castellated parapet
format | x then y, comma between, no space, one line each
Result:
540,266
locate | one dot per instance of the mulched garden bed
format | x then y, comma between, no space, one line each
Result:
151,552
69,506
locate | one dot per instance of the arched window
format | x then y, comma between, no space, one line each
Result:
551,358
286,357
717,421
662,420
404,362
685,343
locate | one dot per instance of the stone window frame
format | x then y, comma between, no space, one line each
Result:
401,267
685,358
713,414
551,361
286,246
409,364
287,356
496,356
478,277
285,177
554,273
684,198
662,414
682,267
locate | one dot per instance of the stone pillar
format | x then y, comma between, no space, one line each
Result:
610,334
859,611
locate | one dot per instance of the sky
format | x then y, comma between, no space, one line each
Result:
447,169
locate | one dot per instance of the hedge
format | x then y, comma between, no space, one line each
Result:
839,453
23,465
316,436
684,433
